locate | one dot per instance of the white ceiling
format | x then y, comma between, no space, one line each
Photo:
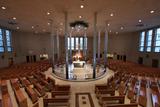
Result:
34,13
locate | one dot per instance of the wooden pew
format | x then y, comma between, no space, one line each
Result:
155,96
51,83
122,89
0,102
24,82
56,102
21,99
62,88
142,100
6,100
111,99
105,92
32,94
100,86
60,94
15,85
40,89
120,105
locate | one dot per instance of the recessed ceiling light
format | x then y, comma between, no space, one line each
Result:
72,28
82,6
17,27
61,23
111,14
14,18
3,7
48,13
152,11
32,27
122,28
80,17
49,23
108,24
110,31
139,21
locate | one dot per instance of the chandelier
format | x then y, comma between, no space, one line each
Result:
79,25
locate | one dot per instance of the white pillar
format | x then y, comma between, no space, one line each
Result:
70,47
94,45
105,48
57,39
99,45
85,46
66,43
52,41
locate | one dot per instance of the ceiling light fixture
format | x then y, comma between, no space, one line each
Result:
122,28
61,23
139,21
3,7
79,25
152,11
48,13
82,6
111,14
32,27
49,23
110,31
17,27
72,28
108,24
80,17
14,18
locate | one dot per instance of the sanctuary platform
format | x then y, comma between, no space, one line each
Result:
78,71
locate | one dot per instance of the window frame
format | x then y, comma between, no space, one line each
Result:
157,39
142,41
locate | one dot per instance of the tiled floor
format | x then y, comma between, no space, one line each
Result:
77,87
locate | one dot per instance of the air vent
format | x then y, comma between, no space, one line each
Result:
12,23
140,25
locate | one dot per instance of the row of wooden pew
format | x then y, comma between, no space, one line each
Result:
138,83
25,69
106,92
36,86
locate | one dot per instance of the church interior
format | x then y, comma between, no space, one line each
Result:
79,53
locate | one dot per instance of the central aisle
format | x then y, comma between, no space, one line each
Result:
82,87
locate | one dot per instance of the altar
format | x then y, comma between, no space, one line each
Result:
79,64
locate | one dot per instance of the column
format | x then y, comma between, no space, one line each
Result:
153,40
66,43
79,45
85,46
52,41
94,45
70,47
57,39
105,48
99,45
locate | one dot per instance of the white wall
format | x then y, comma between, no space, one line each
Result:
127,44
122,44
